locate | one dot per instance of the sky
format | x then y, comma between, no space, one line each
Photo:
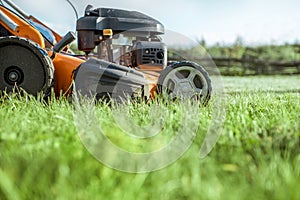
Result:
217,21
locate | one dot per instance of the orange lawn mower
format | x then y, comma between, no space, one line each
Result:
124,56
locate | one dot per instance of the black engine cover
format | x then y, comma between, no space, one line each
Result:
119,21
105,80
91,26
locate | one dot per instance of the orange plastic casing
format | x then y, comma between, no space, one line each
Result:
64,65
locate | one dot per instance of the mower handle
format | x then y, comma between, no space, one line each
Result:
19,10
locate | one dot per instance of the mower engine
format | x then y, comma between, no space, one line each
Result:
127,38
130,40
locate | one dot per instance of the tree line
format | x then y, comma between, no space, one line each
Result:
241,59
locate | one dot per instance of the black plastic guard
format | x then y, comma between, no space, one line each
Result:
105,80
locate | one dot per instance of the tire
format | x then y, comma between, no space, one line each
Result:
25,65
185,80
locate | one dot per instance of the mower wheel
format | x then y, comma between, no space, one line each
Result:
24,65
185,80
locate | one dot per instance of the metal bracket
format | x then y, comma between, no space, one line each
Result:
8,22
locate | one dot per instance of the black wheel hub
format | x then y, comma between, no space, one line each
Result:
185,80
13,76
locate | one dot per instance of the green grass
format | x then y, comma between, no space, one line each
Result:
256,157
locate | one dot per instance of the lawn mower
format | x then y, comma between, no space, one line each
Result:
124,57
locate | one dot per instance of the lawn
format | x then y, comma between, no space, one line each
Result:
257,155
